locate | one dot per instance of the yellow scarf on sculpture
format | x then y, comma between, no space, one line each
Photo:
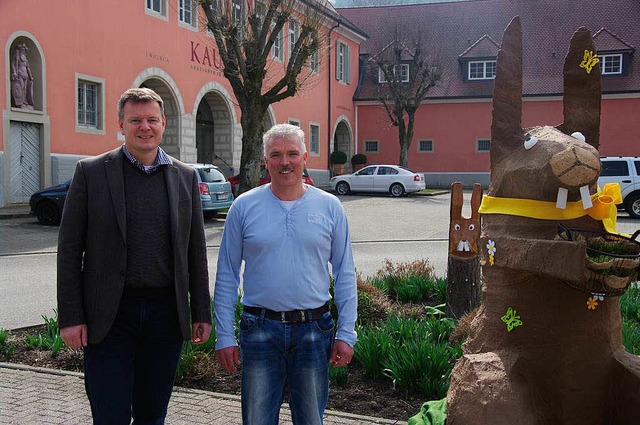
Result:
604,207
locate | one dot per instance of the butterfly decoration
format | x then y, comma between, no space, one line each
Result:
511,319
590,60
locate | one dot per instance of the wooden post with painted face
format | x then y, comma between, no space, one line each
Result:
463,265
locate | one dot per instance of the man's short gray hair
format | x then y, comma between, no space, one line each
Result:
284,131
139,95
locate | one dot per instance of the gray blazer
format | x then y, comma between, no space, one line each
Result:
92,251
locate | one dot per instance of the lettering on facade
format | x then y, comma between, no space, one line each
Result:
344,108
157,56
205,56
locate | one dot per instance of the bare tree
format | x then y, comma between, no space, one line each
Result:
408,75
245,46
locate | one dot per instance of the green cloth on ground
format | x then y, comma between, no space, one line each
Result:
431,413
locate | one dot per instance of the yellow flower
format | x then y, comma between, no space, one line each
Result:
491,260
592,303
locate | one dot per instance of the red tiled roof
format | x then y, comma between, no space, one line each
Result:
453,29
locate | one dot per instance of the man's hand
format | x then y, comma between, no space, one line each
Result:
74,336
229,358
341,353
200,333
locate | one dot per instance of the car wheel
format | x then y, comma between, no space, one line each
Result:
343,188
633,205
48,213
396,190
210,214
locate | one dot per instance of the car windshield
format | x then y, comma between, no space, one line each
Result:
210,175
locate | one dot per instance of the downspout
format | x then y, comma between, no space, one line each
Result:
329,101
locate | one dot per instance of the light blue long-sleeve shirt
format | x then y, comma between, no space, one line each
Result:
287,252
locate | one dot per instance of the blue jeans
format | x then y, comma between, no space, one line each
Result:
132,370
276,356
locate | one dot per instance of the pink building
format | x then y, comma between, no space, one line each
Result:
452,132
67,62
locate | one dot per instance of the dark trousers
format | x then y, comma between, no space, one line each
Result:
131,372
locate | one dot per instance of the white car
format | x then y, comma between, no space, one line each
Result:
624,170
398,181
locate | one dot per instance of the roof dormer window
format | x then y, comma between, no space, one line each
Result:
482,70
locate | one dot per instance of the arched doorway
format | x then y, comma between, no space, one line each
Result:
171,138
342,142
214,133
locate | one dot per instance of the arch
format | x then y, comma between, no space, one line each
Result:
26,160
215,120
343,138
37,66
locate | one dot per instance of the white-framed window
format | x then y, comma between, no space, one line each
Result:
371,146
402,68
187,13
157,8
277,51
343,62
482,70
611,64
314,59
90,104
314,139
425,145
294,121
260,10
236,12
483,145
294,30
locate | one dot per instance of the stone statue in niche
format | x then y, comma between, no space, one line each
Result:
21,79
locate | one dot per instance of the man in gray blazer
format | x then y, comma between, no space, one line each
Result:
132,268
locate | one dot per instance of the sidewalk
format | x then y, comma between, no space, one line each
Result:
15,211
44,396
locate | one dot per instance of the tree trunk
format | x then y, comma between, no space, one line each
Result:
463,285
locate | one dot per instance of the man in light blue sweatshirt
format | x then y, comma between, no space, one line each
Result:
287,233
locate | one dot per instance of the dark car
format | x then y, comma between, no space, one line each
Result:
265,178
47,204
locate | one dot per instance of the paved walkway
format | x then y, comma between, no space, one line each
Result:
44,396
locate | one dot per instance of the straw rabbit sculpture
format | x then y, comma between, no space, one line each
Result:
537,352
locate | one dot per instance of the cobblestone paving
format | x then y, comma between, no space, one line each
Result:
44,396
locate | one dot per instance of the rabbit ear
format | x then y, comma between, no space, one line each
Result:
476,199
506,127
456,200
582,88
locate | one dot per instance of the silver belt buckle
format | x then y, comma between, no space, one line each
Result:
282,317
302,314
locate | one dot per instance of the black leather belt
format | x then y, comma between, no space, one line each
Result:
292,316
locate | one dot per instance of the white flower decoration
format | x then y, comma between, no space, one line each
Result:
491,247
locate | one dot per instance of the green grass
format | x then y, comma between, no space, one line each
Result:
7,349
630,309
50,339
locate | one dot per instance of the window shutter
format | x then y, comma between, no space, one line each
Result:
337,60
347,67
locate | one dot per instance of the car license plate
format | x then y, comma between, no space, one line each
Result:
222,196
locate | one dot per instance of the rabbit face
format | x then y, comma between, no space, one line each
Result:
546,162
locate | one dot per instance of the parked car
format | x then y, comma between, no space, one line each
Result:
265,178
626,171
215,194
215,190
398,181
46,204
